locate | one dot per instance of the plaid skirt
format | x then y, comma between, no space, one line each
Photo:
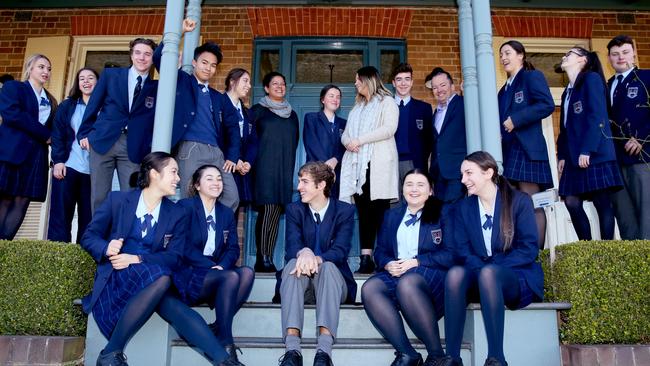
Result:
518,167
577,181
434,278
121,286
28,179
189,283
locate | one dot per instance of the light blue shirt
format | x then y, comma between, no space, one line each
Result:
487,233
208,249
406,100
141,210
79,158
133,81
441,112
408,237
241,114
43,110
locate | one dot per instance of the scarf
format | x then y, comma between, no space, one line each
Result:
363,118
281,109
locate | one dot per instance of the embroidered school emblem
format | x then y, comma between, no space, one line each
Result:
419,123
341,131
577,107
436,235
519,97
250,128
225,236
148,102
632,92
166,239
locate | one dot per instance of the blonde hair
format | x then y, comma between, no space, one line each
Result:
370,78
29,63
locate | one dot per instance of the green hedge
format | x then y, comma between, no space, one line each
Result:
38,282
608,285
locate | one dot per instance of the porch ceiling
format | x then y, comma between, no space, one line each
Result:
630,5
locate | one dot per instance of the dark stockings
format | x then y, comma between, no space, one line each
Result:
496,286
371,214
416,301
191,326
384,315
605,210
229,289
540,216
136,312
12,214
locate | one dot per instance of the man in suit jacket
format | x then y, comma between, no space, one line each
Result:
120,136
450,146
630,117
206,125
318,241
413,135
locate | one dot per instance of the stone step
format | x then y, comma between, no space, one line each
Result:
263,320
266,352
264,287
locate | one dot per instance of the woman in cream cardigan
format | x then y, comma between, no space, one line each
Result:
369,170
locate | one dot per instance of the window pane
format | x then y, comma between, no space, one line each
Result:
389,61
547,63
328,66
99,60
269,61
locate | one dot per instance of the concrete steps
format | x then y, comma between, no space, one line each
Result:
264,287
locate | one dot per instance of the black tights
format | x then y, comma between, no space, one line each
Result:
496,286
229,289
603,204
191,326
416,302
370,213
12,214
136,312
540,215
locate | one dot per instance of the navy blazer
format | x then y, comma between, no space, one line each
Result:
587,124
249,145
224,115
322,140
111,98
226,246
335,236
419,131
527,101
451,143
20,130
522,256
63,134
631,114
114,220
430,253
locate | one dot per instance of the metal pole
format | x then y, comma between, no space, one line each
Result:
470,82
162,128
191,40
489,106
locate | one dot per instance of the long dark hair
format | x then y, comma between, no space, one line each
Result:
196,178
324,91
432,206
592,65
75,92
485,161
519,48
232,79
157,161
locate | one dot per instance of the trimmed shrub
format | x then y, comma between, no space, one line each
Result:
608,285
38,282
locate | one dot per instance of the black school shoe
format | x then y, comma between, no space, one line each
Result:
291,358
402,359
115,358
322,359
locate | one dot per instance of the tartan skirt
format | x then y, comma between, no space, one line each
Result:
519,168
189,283
602,176
121,286
28,179
434,278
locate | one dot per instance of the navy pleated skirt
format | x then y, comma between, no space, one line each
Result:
189,283
28,179
602,176
518,167
121,286
434,278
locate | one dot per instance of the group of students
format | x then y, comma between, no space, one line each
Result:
432,253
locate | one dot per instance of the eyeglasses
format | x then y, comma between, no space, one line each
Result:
572,52
276,84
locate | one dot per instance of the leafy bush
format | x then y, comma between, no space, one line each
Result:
38,282
608,285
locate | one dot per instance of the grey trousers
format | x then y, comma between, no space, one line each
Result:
632,203
102,168
330,292
192,155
